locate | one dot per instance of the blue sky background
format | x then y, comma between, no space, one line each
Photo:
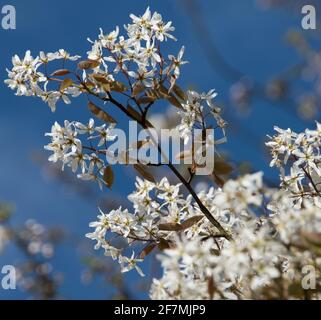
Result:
249,38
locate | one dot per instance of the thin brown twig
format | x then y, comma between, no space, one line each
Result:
202,207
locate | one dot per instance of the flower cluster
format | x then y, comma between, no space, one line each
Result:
137,59
276,234
273,237
131,72
161,210
193,113
158,208
298,158
138,56
25,78
266,254
69,149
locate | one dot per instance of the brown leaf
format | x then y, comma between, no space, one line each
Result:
106,87
100,78
145,100
173,100
118,86
66,83
60,72
108,176
88,64
222,167
170,226
142,170
89,84
137,116
218,180
137,89
211,287
312,237
139,144
147,250
190,222
179,92
295,290
148,124
184,154
101,114
163,244
163,92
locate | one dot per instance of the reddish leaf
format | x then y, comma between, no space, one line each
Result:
66,83
170,226
163,244
61,72
101,114
138,88
179,92
88,64
147,250
210,287
142,170
190,222
108,176
100,78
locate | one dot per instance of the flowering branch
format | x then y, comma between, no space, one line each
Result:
254,240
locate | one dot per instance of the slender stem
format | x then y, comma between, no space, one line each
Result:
311,180
142,122
309,177
202,207
192,174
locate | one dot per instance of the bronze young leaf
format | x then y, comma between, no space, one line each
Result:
147,250
60,72
101,114
66,83
143,171
88,64
108,176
